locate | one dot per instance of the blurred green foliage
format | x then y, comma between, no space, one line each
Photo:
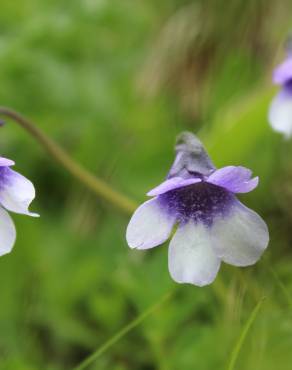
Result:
114,82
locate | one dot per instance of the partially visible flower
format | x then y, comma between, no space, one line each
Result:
280,114
213,226
16,194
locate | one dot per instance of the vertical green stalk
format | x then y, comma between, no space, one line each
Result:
236,350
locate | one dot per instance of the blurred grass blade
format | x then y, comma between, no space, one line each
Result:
98,186
282,286
241,339
125,330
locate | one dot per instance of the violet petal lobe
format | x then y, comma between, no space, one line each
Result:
4,162
283,73
236,179
171,184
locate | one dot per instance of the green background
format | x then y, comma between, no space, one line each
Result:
114,82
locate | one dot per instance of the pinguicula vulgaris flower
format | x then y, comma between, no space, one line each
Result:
212,224
280,114
16,194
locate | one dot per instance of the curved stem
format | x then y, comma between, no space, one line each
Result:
98,186
125,330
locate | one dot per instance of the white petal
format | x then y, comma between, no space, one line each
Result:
241,237
149,226
191,258
280,114
7,232
16,192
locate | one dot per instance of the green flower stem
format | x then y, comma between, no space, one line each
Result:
98,186
124,331
236,350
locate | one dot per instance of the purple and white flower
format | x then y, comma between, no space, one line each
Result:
280,113
212,224
16,194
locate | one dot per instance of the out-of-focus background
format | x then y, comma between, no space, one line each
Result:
114,82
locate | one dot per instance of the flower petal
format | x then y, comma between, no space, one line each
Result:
283,73
191,258
236,179
280,114
171,184
149,226
7,232
241,237
16,192
4,162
